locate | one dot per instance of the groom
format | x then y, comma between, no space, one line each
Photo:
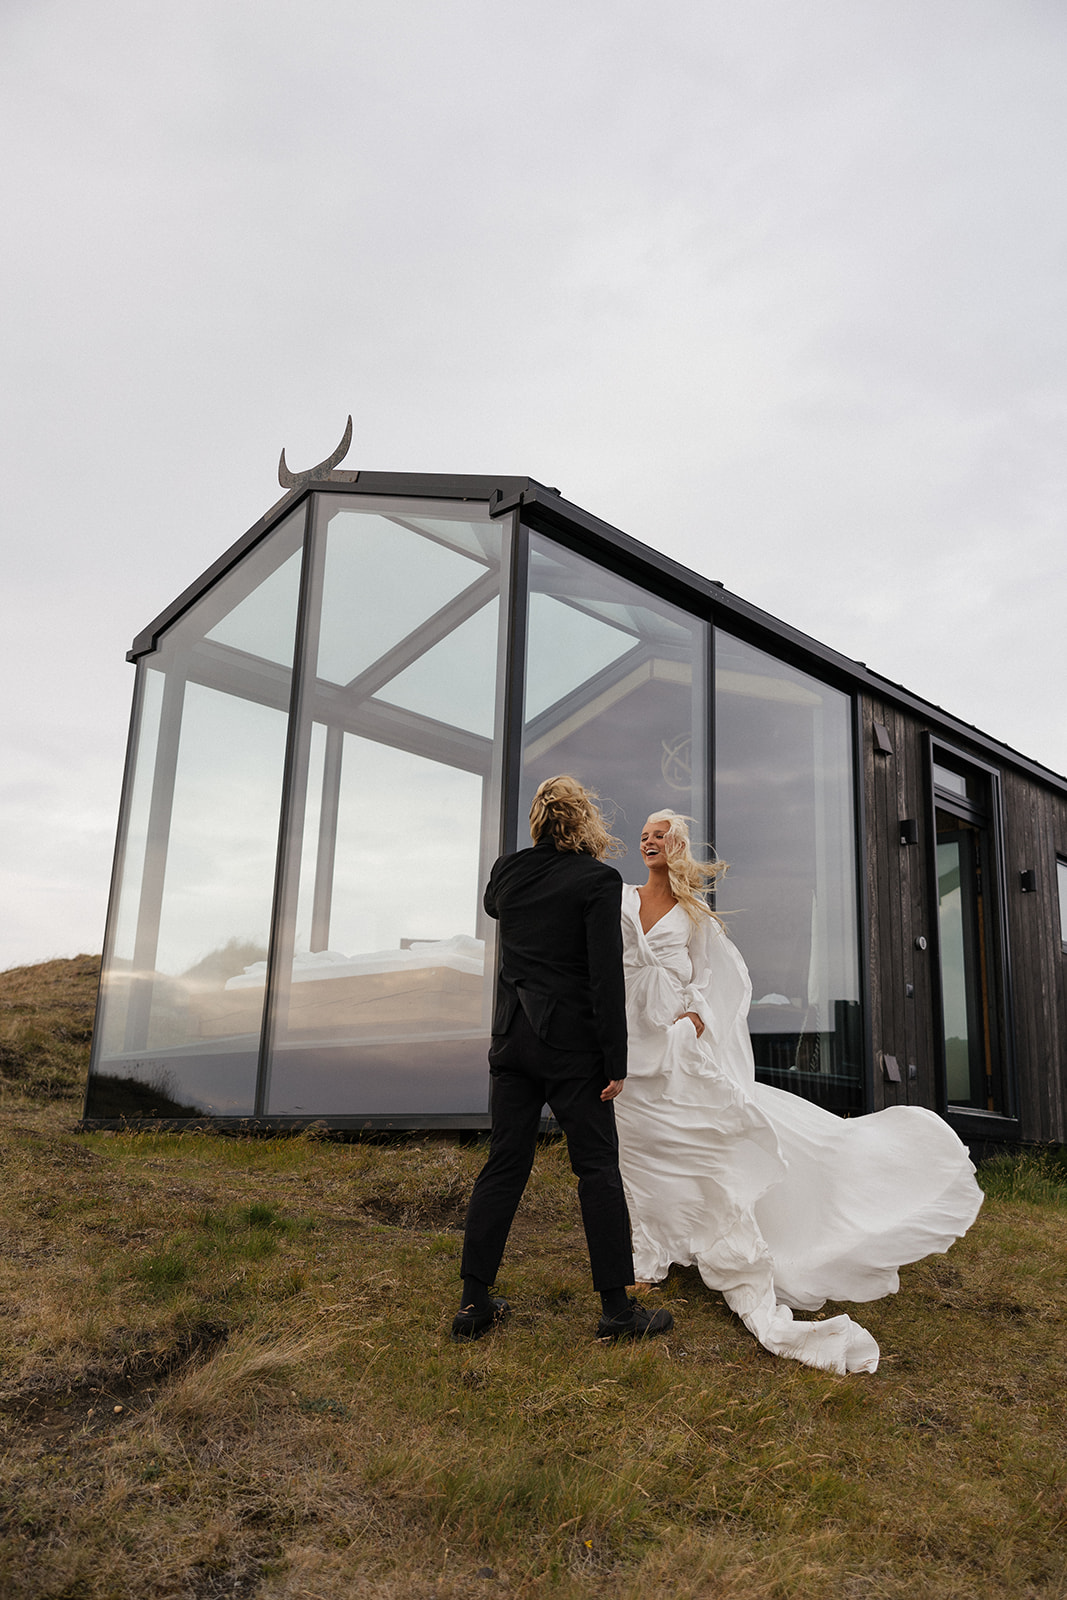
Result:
559,1035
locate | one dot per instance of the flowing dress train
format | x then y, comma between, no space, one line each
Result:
780,1204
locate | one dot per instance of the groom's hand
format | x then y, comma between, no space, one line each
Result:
613,1090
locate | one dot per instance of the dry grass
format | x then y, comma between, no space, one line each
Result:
46,1027
225,1370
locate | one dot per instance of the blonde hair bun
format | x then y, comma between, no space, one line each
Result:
568,812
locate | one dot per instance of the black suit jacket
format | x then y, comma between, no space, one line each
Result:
561,950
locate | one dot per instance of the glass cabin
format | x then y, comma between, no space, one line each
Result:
339,727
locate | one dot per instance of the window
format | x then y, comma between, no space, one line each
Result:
785,822
971,1027
1061,881
615,695
382,980
198,848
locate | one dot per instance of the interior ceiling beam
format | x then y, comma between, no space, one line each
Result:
423,638
234,672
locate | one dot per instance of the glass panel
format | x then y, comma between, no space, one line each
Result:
785,823
567,646
614,695
262,624
383,994
450,681
954,998
951,782
1061,879
969,986
199,855
401,577
135,842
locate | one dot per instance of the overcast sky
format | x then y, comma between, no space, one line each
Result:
777,288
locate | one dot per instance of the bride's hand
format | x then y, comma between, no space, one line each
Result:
695,1020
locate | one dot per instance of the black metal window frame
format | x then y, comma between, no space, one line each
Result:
970,1120
863,906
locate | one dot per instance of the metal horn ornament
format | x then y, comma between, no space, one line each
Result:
296,480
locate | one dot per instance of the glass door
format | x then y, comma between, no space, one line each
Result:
971,1013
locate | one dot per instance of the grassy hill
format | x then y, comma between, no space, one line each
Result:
46,1027
225,1370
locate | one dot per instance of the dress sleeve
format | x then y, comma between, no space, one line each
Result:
698,995
720,994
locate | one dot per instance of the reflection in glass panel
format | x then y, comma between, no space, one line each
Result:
135,840
951,782
567,646
968,950
614,695
382,1001
954,998
784,822
193,902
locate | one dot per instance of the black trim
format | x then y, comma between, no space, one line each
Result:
859,811
518,600
711,720
983,1128
279,947
267,1127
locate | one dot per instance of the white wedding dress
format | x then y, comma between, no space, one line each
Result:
779,1203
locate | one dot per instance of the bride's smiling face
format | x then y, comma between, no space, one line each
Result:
654,847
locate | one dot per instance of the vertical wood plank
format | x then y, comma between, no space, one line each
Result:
901,907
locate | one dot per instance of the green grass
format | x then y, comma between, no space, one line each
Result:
1038,1177
225,1369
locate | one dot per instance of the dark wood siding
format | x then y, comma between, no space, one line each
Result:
900,906
1035,830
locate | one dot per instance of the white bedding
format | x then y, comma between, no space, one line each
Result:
460,953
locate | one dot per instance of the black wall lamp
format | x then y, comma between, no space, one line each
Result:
1028,880
909,830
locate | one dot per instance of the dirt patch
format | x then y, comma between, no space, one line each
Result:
925,1415
51,1409
421,1212
240,1578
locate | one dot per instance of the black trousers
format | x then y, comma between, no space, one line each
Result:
525,1073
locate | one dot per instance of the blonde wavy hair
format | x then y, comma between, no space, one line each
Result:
689,878
567,811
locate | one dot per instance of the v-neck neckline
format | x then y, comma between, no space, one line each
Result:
640,924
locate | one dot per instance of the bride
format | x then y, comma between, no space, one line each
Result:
779,1203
